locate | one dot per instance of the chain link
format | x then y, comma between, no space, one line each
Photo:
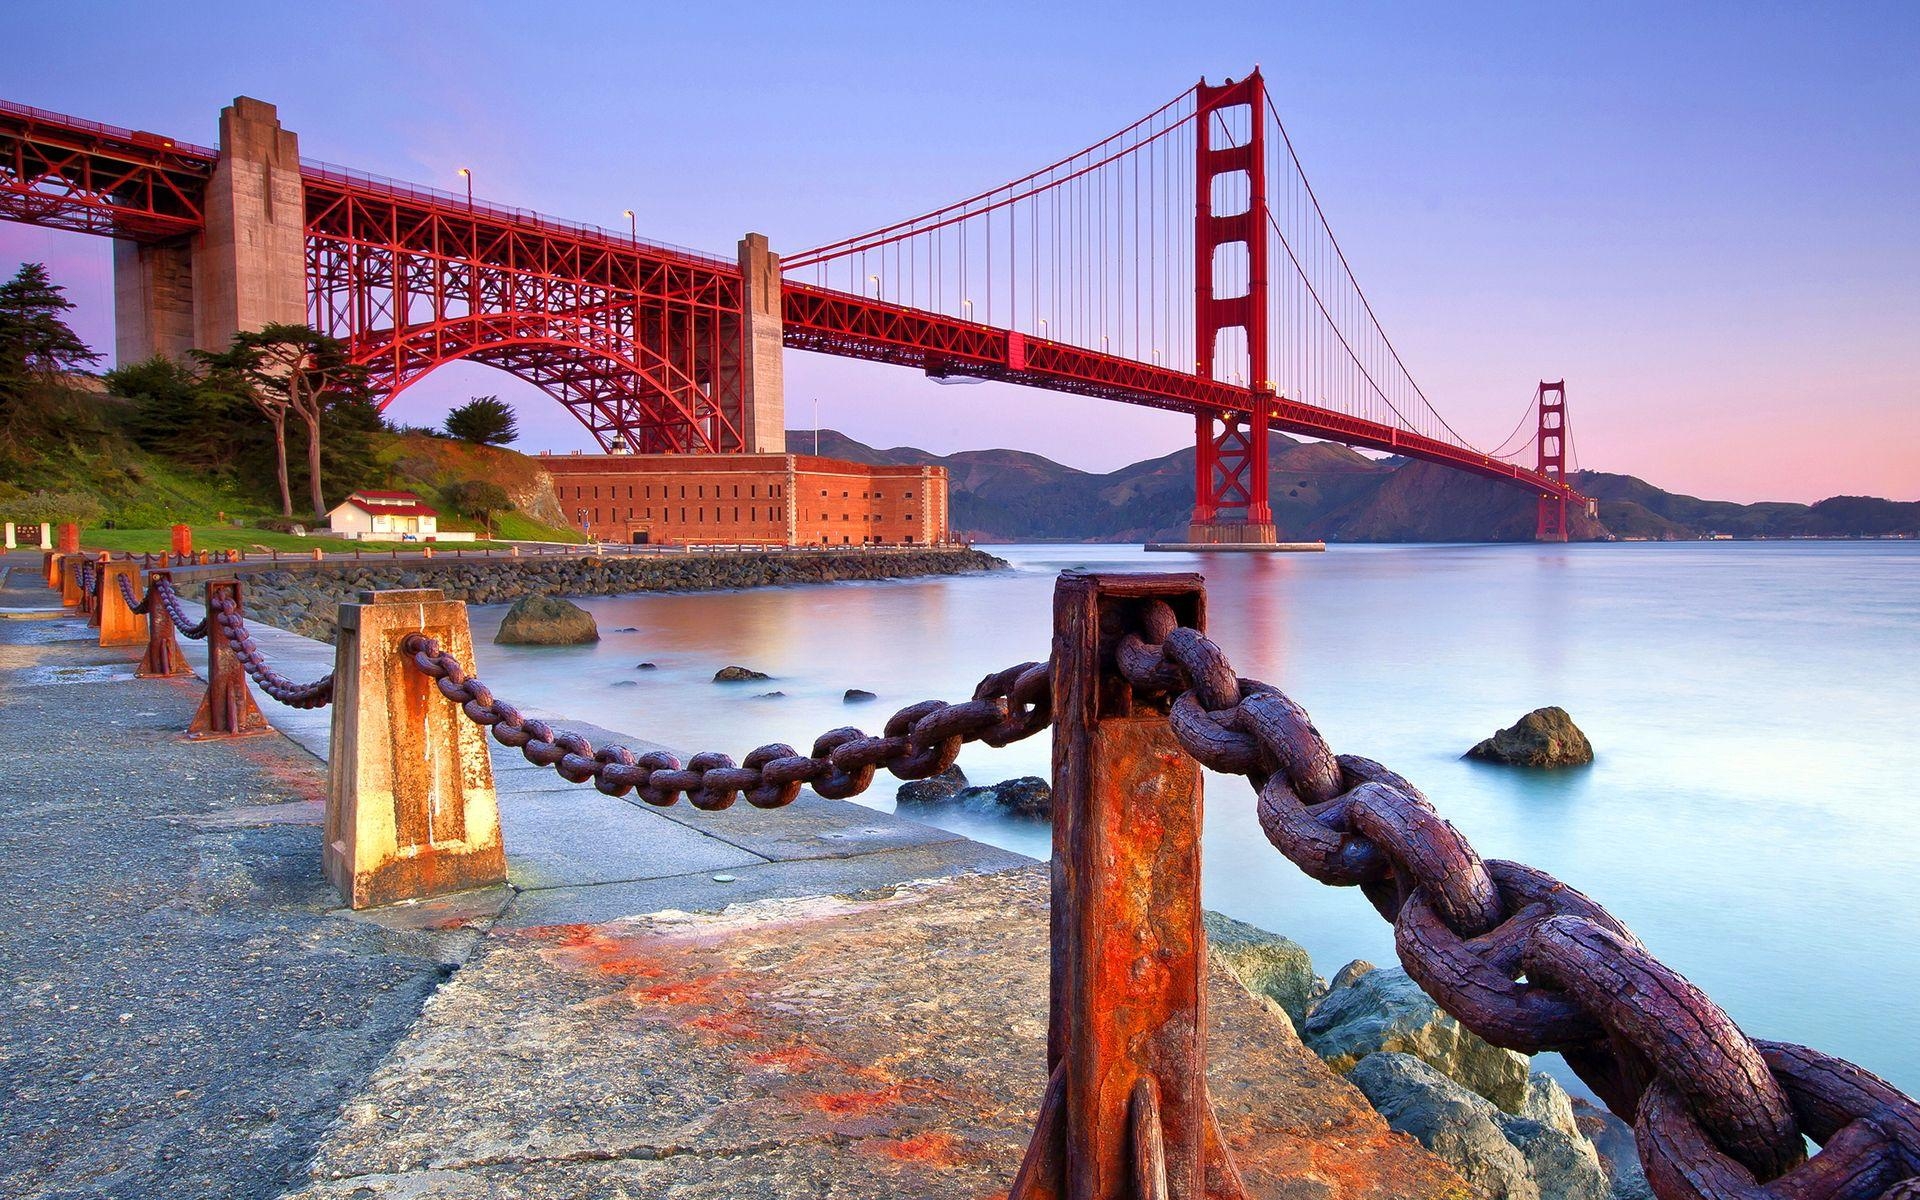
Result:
170,600
233,628
919,741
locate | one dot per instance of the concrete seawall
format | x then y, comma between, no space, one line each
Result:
304,596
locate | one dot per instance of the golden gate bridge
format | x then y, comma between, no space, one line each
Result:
1183,263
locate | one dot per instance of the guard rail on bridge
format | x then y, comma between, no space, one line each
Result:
1139,699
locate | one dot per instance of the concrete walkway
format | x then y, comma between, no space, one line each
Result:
820,1001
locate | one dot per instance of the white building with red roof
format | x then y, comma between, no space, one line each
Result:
387,517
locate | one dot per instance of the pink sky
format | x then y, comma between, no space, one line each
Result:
1707,223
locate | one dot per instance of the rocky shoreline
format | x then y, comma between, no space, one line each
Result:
307,602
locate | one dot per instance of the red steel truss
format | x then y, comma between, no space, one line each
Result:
65,173
641,343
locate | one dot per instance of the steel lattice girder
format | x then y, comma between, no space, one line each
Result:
67,174
641,345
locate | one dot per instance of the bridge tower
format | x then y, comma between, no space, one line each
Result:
1230,246
1551,445
245,268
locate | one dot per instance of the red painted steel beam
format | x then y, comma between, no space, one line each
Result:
64,173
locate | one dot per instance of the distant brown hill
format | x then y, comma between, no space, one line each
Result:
1324,491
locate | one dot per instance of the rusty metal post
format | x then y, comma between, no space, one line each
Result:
411,811
119,624
69,538
70,594
181,543
228,708
96,598
1126,1115
163,658
50,566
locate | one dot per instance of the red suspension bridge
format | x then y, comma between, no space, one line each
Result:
1183,263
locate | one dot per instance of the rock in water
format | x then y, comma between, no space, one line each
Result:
547,621
858,696
1266,964
738,675
935,789
1545,737
1028,796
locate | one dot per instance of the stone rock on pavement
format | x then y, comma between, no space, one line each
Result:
1385,1010
738,675
546,621
1266,964
934,789
1545,737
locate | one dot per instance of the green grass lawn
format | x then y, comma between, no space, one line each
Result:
225,537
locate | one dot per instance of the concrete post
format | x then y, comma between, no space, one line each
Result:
46,536
228,709
762,338
249,263
50,568
119,624
11,544
410,803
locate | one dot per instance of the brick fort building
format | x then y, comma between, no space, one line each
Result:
749,500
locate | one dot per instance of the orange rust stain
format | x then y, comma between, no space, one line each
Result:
725,1025
698,990
928,1149
858,1104
788,1059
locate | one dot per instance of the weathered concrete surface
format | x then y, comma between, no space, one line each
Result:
182,1016
889,1045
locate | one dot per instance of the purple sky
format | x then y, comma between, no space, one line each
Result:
1705,217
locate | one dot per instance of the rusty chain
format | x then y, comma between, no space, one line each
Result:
126,593
1528,963
170,600
233,627
919,741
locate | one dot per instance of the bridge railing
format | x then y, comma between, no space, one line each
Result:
525,217
1138,700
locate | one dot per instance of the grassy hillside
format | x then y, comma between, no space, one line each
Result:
76,439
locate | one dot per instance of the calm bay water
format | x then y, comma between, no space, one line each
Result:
1752,813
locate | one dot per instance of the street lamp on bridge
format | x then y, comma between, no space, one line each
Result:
633,224
875,281
966,307
468,176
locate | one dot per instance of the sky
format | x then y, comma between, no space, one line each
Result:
1705,217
